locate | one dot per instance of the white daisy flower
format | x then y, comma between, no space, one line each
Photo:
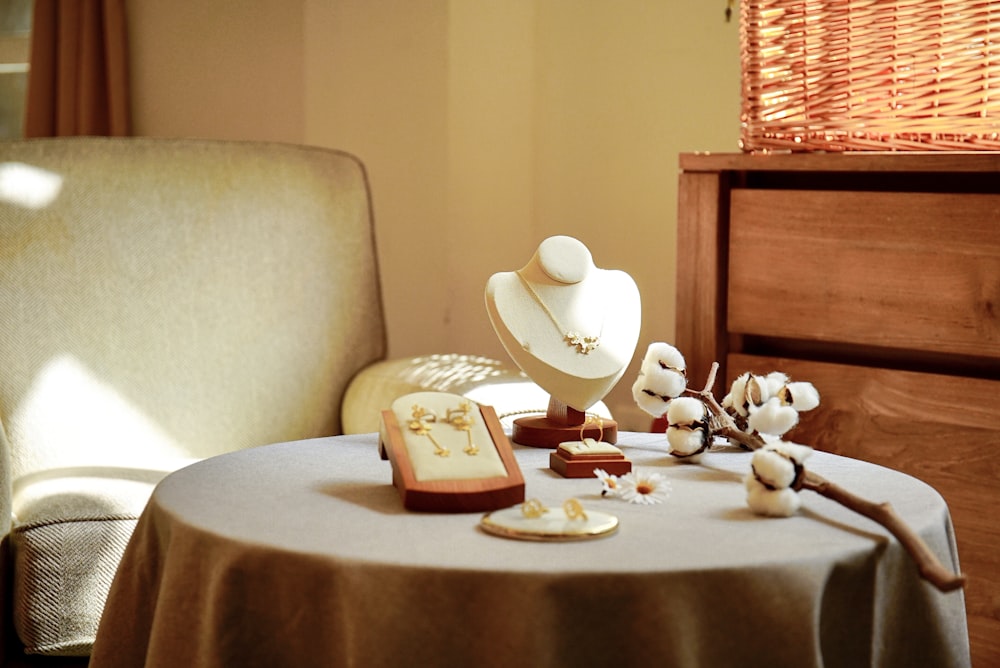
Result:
645,488
609,483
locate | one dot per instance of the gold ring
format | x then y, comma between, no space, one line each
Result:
590,420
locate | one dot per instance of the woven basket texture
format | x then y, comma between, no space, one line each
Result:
875,75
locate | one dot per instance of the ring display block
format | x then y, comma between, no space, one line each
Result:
559,424
449,459
578,459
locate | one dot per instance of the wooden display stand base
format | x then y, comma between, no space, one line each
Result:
561,423
577,465
452,495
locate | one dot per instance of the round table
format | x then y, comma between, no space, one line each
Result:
301,554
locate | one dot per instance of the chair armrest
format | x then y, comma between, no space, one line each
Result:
6,493
6,627
483,380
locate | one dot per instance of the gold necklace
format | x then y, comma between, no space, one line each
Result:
584,344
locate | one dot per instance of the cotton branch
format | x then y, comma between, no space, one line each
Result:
930,568
723,423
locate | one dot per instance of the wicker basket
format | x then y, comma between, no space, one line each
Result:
870,75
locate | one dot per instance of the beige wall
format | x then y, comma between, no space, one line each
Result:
486,125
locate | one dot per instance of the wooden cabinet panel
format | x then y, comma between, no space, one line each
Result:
701,265
940,429
876,277
917,271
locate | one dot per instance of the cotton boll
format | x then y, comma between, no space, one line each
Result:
686,411
771,439
772,384
756,391
770,467
773,418
686,442
652,403
736,399
801,396
665,382
799,453
663,368
660,355
688,432
746,392
778,503
796,451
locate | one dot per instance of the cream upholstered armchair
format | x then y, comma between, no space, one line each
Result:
168,300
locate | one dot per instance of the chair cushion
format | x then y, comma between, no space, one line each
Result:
70,533
482,379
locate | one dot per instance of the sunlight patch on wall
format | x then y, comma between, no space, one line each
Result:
28,186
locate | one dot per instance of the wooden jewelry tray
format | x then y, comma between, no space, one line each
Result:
450,495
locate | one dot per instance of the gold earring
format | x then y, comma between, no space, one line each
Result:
421,426
533,509
574,510
462,421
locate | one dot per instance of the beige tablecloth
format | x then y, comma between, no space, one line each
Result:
300,554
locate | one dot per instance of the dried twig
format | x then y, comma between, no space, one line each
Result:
930,568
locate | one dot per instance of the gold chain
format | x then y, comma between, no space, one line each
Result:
583,344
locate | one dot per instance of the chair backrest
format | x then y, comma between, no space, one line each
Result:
164,299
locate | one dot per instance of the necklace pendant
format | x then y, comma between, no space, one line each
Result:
583,344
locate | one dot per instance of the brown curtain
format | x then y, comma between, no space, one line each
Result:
78,81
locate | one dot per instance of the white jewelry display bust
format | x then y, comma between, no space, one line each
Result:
571,326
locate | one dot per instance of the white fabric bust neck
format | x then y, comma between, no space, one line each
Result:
561,291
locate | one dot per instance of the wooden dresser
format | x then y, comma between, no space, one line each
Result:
877,278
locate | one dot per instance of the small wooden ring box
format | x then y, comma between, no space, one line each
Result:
578,459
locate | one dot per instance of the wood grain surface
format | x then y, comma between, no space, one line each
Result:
877,277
